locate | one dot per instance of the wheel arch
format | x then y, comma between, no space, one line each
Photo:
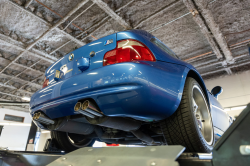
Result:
195,75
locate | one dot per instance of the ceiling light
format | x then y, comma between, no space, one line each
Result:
26,98
235,108
15,124
238,108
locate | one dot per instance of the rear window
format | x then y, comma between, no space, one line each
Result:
162,46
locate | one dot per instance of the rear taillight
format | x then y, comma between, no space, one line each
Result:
127,51
45,82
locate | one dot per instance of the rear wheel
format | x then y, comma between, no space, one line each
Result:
191,125
70,142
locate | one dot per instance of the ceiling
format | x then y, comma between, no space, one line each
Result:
212,35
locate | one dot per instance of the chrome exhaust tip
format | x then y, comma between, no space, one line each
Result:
34,116
42,119
78,108
88,107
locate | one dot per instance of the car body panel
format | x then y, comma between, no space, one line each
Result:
159,54
218,114
98,47
142,90
145,38
146,91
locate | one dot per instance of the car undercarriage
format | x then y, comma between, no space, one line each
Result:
117,130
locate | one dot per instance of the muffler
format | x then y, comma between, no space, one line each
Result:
42,119
70,126
118,123
64,125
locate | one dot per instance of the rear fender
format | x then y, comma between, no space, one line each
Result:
195,75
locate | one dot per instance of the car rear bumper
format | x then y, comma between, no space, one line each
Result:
142,90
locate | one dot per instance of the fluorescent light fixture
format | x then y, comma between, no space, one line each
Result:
45,131
238,108
235,108
15,124
26,98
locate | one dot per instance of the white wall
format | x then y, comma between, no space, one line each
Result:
42,140
14,137
236,90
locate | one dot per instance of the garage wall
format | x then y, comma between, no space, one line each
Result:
42,140
236,90
14,137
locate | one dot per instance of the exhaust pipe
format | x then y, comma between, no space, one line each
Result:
42,119
64,125
78,108
94,117
118,123
88,109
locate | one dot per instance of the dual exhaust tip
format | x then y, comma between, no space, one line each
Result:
85,108
88,109
42,119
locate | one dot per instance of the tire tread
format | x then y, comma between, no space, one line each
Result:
180,129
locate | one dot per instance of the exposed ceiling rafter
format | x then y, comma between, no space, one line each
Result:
215,29
44,34
96,26
30,82
20,48
58,23
18,78
226,68
28,2
9,94
203,27
14,88
29,68
112,14
47,23
157,13
102,23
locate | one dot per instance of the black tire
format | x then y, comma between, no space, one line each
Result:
183,128
63,141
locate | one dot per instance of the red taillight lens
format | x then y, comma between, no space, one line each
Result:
45,82
127,51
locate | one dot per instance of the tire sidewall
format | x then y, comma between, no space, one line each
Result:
191,83
87,144
65,144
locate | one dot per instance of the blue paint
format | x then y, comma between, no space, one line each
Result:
125,87
141,90
83,64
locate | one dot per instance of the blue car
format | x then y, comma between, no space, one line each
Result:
128,88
